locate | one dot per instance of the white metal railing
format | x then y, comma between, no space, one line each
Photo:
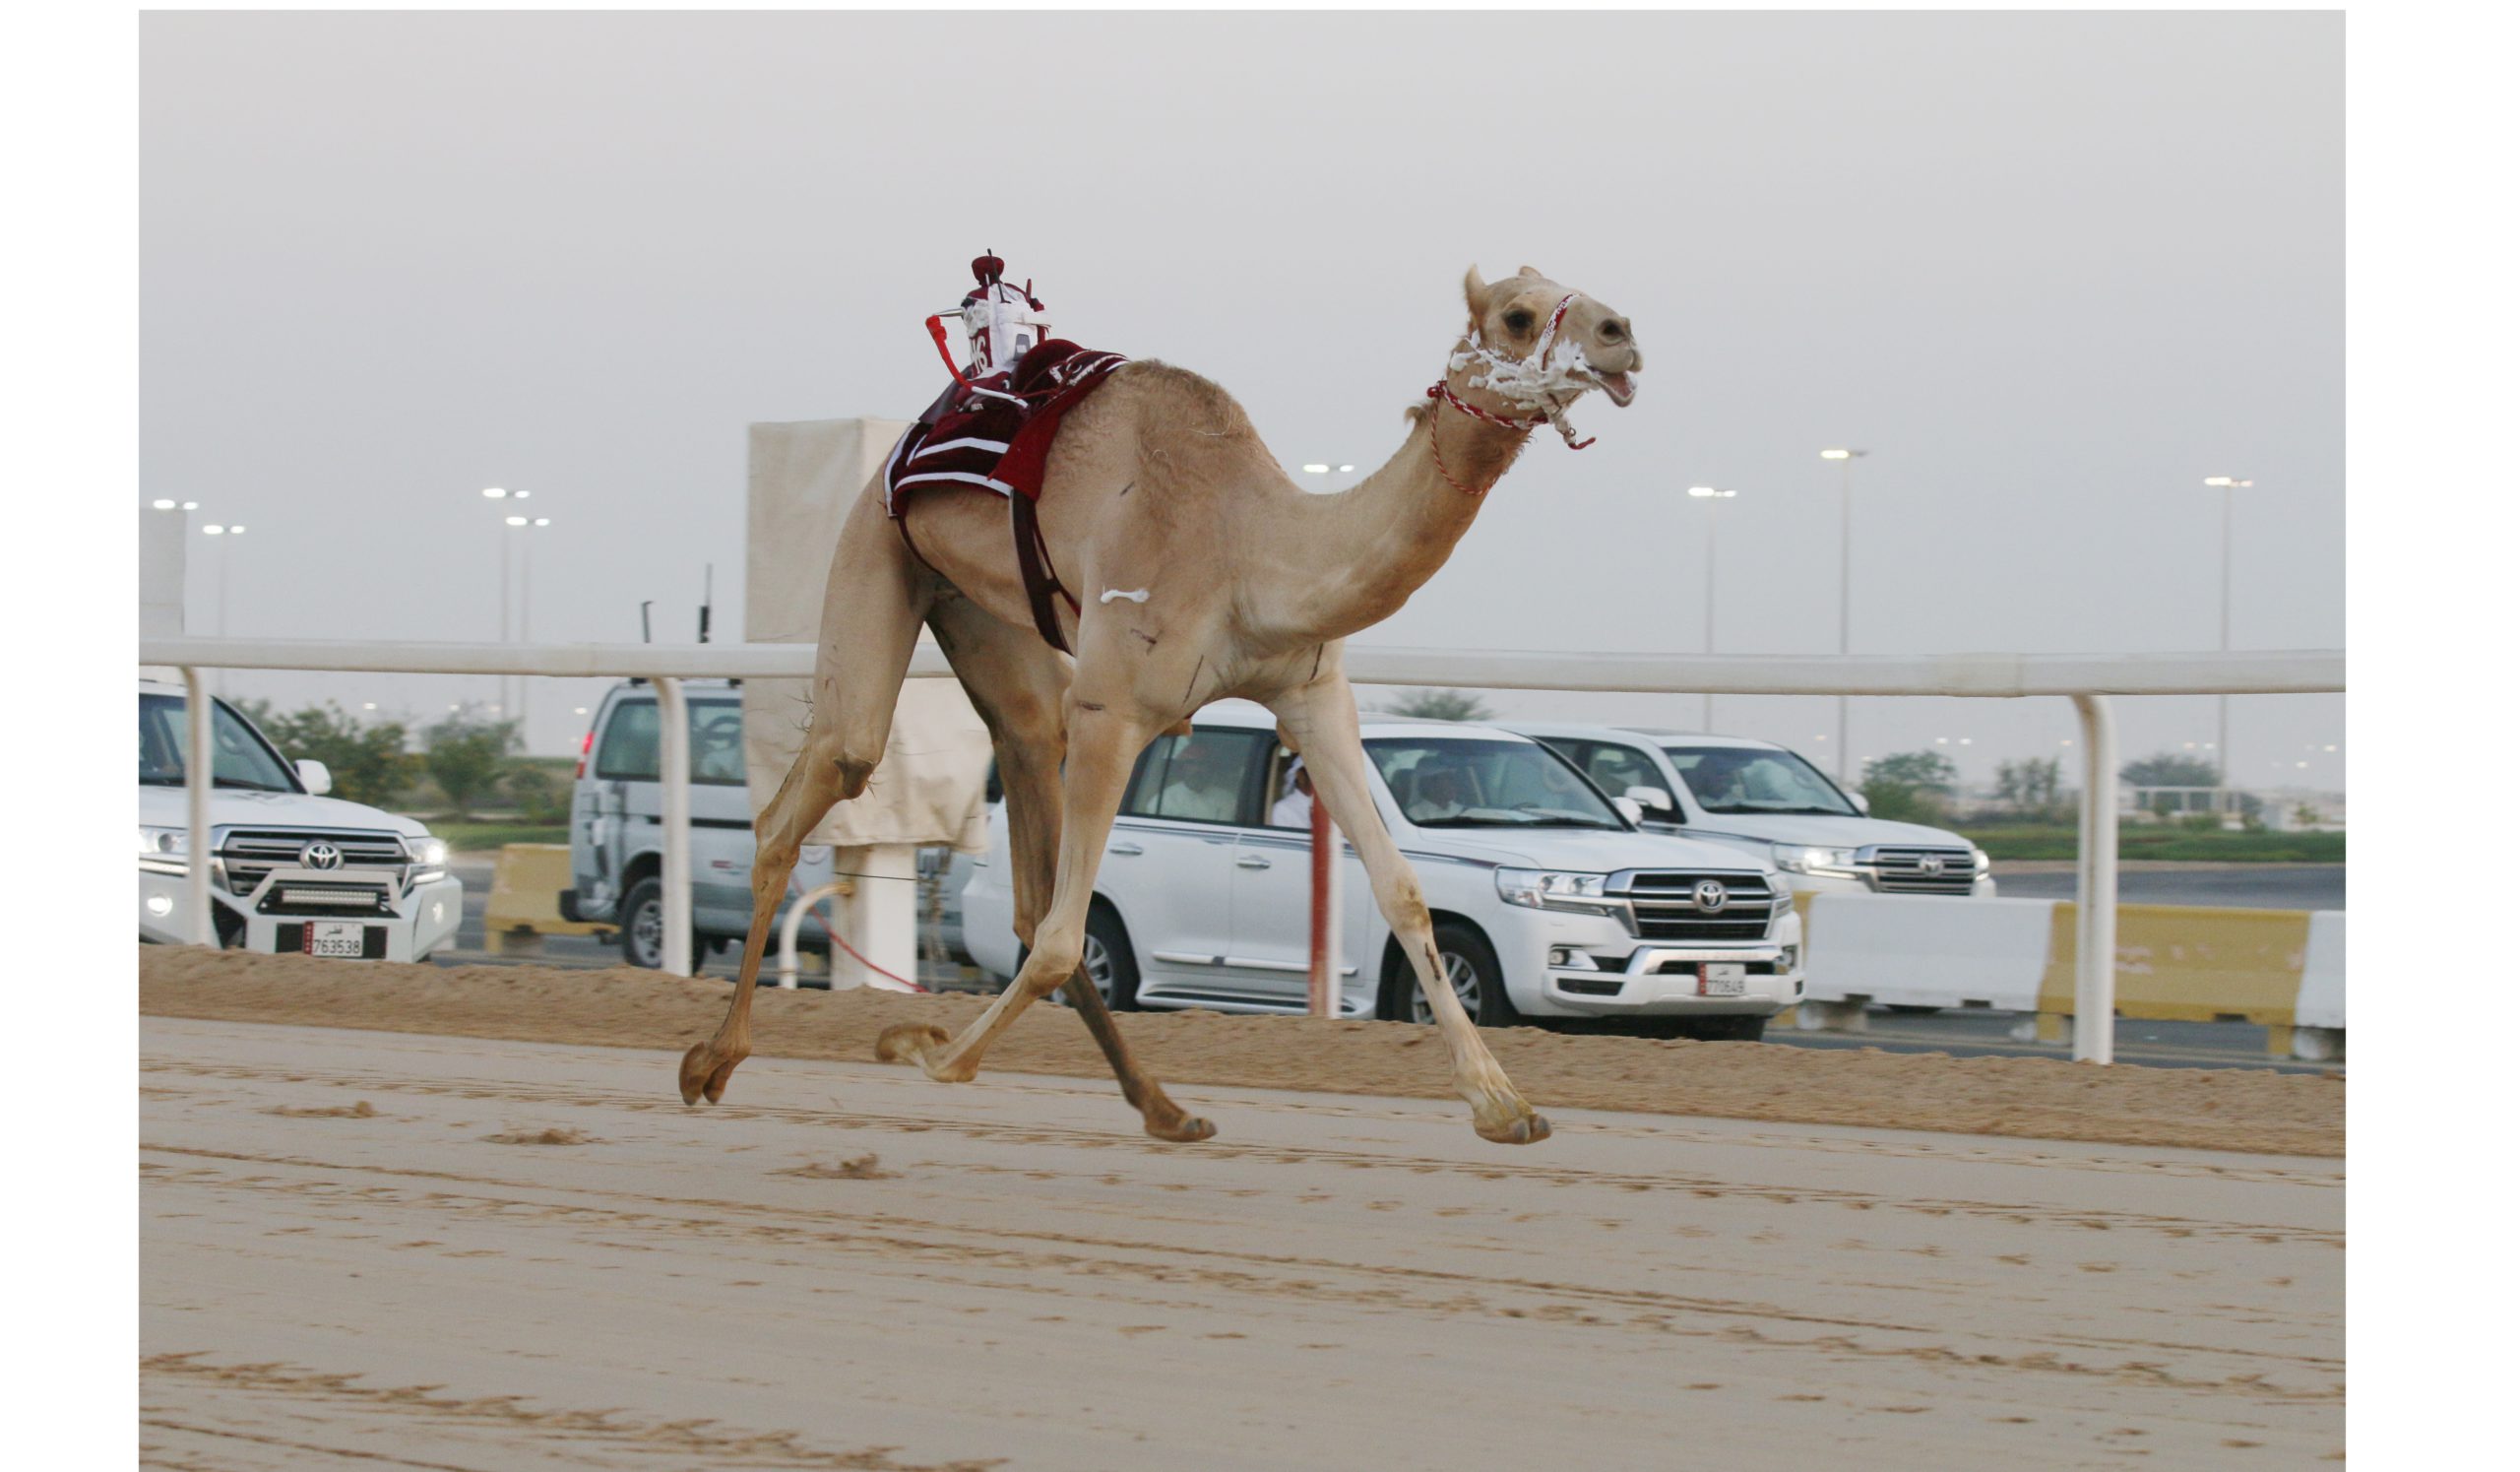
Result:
2086,679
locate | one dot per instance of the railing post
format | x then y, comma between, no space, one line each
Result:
2096,889
796,919
1322,986
675,757
199,778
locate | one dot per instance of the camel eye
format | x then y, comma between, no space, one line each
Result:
1517,320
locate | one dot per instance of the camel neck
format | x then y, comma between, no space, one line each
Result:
1369,548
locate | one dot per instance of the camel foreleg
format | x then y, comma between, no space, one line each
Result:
1321,718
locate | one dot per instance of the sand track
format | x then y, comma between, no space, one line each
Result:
1018,1279
2023,1097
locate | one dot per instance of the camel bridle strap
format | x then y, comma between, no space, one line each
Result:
1532,375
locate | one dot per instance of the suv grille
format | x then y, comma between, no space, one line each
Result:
1921,870
248,854
1662,904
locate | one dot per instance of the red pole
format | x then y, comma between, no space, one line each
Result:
1322,986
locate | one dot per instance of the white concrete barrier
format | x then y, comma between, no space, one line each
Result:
1922,950
2282,969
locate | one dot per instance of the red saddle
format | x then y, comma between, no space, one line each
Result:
995,434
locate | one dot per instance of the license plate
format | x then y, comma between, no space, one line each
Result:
336,937
1722,979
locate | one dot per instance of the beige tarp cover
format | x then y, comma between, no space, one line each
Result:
928,789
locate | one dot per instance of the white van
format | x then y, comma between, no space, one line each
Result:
1761,798
1548,902
290,870
616,824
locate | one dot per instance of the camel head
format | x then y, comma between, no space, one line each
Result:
1504,370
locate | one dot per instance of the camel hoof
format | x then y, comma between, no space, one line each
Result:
717,1087
1523,1129
1185,1129
695,1074
908,1042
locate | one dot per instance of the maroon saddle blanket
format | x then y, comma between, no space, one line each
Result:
995,432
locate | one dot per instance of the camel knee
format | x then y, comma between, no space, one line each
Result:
852,772
1054,958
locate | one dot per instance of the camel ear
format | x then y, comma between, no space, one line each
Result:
1474,290
1528,271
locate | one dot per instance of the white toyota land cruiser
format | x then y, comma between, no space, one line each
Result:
1547,901
1762,799
290,870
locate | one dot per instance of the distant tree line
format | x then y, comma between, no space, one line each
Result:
467,759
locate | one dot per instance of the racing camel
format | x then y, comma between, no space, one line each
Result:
1201,572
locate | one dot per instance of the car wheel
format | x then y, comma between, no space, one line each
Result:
1107,959
1470,964
643,925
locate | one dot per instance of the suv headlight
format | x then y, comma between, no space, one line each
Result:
1804,858
1553,889
162,850
429,857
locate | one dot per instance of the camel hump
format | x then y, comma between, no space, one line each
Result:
1188,401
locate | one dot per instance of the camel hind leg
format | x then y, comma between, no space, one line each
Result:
1019,687
871,612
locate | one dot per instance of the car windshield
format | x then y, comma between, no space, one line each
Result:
239,757
1749,778
1457,782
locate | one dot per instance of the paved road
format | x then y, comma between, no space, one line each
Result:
2255,886
351,1247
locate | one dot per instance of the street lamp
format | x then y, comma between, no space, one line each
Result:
1846,460
2223,703
1710,495
224,534
524,610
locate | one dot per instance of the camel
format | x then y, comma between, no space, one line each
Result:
1201,572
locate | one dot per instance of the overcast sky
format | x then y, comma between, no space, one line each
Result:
2050,269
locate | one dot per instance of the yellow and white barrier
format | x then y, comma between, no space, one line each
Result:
525,900
2283,970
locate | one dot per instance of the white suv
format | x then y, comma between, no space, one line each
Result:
1761,798
1547,902
290,870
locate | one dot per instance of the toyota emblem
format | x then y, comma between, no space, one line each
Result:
320,855
1931,866
1711,895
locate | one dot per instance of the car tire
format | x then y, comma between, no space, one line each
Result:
1910,1009
1470,963
1107,959
643,925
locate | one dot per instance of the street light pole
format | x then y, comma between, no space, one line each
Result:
2223,703
1846,460
1709,494
508,699
524,630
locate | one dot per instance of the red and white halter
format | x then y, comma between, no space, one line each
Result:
1529,383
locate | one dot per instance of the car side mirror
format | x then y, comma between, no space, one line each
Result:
317,775
1650,796
1862,803
1629,808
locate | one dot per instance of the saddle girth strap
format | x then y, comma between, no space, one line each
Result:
1040,580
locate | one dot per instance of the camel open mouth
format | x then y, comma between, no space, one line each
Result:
1620,388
